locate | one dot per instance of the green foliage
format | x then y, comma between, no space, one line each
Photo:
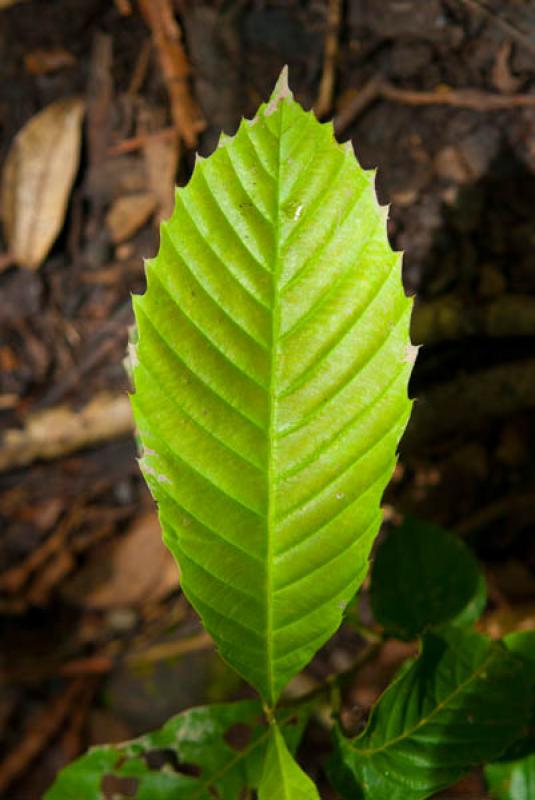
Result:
281,777
271,386
422,577
513,778
226,743
270,366
461,703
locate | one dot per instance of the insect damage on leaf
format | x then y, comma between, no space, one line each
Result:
270,380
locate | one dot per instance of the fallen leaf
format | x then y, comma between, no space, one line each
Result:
130,572
128,213
502,77
38,175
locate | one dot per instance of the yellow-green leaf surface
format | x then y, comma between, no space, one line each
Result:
282,778
270,378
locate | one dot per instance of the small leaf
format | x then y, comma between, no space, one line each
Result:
512,780
461,703
282,778
271,386
206,752
424,576
38,175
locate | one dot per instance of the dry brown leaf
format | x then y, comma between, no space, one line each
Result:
161,162
38,175
138,568
502,77
127,215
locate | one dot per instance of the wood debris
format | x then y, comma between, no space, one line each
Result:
55,432
187,118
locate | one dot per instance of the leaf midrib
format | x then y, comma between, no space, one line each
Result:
275,332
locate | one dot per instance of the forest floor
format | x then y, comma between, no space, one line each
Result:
98,644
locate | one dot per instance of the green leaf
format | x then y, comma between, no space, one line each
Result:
226,744
461,703
513,777
271,386
512,780
282,778
522,644
424,576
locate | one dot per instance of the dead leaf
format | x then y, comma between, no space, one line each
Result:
41,61
38,175
161,162
136,569
502,77
127,214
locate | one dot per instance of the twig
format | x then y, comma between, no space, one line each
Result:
461,98
40,730
140,70
324,100
472,99
506,26
167,650
137,142
364,97
167,36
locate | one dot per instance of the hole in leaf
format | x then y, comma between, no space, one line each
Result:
238,736
112,787
166,757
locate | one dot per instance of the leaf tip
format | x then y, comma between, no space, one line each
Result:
280,92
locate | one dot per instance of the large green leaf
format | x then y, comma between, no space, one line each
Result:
226,744
461,703
282,778
424,576
271,386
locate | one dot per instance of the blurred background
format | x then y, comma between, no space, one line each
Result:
103,104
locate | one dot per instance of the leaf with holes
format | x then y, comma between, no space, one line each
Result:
271,386
462,702
204,753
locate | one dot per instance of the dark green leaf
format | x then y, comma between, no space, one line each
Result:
513,777
225,743
461,703
424,576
